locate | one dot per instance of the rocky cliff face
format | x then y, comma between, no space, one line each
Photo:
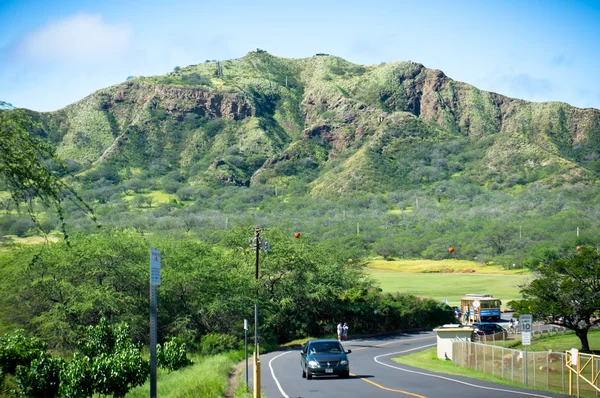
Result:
178,101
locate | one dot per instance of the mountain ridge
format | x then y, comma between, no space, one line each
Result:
262,105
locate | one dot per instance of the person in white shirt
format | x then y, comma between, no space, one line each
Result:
340,330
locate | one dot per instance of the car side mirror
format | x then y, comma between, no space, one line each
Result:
348,352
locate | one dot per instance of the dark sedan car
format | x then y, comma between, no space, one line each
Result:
324,358
482,329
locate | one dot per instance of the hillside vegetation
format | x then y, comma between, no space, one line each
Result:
394,159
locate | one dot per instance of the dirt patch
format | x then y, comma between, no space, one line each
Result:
234,379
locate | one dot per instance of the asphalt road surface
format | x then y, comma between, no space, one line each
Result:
374,374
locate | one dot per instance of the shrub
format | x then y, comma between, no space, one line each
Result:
18,349
194,79
41,378
98,339
172,355
215,343
76,379
116,374
109,363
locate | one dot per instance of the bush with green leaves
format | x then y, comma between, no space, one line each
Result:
172,355
19,349
216,343
76,379
107,363
41,378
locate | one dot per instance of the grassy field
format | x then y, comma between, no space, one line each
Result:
562,343
449,279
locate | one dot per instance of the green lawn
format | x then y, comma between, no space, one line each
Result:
428,360
562,343
447,279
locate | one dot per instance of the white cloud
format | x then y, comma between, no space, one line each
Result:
82,38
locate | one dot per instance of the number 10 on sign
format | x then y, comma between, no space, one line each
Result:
154,267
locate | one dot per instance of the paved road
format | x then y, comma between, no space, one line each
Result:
374,374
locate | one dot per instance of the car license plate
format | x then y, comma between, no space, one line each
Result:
328,370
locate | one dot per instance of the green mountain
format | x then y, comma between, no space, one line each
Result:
393,159
338,126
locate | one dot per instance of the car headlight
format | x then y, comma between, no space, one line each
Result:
343,362
313,364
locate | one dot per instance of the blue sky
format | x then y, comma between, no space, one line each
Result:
53,53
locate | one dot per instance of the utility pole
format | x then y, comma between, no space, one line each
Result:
257,245
256,353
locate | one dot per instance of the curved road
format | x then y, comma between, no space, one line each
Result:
374,374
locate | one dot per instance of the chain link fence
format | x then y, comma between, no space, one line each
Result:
543,370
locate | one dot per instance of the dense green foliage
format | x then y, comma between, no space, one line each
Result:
106,362
320,145
172,355
18,349
41,379
566,290
28,167
56,290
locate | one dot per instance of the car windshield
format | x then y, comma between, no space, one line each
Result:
325,348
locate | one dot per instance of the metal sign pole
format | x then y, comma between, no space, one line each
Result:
246,345
526,369
153,340
154,281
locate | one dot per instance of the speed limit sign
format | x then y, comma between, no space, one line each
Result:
525,322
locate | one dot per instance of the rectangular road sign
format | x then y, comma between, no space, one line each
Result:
154,267
526,338
525,322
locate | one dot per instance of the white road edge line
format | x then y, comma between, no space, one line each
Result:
275,378
447,378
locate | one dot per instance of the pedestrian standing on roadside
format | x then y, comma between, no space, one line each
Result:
340,330
345,331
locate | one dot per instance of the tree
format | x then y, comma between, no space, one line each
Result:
23,168
6,105
567,288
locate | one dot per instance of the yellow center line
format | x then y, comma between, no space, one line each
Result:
386,388
394,342
391,389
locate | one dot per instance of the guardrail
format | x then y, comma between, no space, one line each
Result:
586,368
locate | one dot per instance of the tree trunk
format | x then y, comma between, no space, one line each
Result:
583,337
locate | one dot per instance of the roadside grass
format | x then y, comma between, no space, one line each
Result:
563,342
305,339
207,377
451,286
428,360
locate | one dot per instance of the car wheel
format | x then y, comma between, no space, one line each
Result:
308,375
303,374
345,375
